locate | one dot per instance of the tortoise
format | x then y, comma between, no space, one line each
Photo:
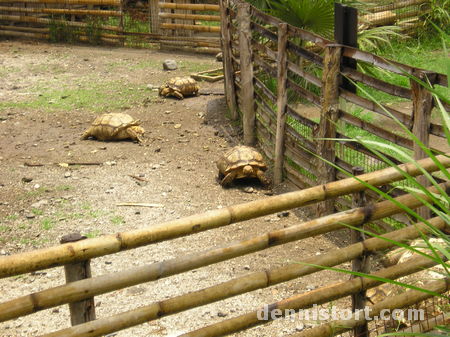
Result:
241,162
179,87
115,126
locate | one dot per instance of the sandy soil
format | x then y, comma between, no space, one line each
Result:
49,94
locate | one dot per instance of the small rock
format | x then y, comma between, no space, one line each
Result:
158,149
137,212
249,190
36,186
27,179
268,193
177,126
170,65
30,216
110,163
247,267
55,311
67,174
300,327
221,314
108,262
310,287
155,166
283,214
3,252
151,86
39,204
219,57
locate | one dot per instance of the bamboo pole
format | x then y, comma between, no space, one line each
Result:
281,102
397,5
202,17
60,11
69,2
307,300
328,118
422,108
154,16
92,287
109,244
228,70
408,298
193,7
23,34
231,288
211,29
247,92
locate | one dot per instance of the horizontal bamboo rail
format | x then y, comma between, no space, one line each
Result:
193,7
307,300
190,16
408,298
109,244
21,18
69,2
199,28
80,290
34,35
232,288
397,5
61,11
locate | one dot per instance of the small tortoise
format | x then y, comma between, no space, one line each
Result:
179,87
241,162
115,126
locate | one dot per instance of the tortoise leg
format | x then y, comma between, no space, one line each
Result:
86,134
178,94
262,177
228,179
134,135
125,127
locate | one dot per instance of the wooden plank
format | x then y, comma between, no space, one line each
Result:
262,104
265,18
258,60
260,85
264,32
297,116
266,53
154,16
69,2
281,102
229,78
376,83
306,54
298,179
307,143
307,76
396,5
373,106
308,36
437,130
328,119
308,95
293,152
376,130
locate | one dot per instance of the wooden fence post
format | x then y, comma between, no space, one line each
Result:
154,16
422,107
81,311
228,71
328,119
247,89
281,102
361,263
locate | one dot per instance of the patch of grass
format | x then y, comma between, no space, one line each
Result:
194,67
12,217
117,220
4,228
47,224
34,193
98,97
93,233
64,188
37,211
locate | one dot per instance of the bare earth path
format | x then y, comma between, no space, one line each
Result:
49,94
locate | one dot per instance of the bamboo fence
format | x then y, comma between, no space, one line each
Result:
270,93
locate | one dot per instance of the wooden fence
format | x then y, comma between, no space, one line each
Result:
76,251
286,85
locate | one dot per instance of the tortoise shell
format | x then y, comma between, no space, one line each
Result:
238,157
114,126
179,87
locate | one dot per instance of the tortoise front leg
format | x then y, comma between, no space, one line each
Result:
178,94
125,127
226,181
262,177
86,134
134,135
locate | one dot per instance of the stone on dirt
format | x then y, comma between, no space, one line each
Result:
170,65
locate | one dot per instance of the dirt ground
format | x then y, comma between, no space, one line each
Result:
49,94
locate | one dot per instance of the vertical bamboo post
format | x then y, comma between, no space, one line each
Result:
422,107
228,71
328,118
154,16
81,311
281,102
247,89
361,263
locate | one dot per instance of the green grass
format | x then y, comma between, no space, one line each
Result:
117,220
37,211
93,233
47,224
99,97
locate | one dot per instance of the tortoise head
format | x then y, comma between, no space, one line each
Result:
164,90
247,170
138,129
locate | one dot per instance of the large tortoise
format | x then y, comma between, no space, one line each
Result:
179,87
115,126
241,162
